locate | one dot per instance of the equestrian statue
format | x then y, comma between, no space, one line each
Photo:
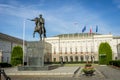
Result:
39,26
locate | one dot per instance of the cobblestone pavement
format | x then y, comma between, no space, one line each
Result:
109,72
102,73
78,76
57,71
54,78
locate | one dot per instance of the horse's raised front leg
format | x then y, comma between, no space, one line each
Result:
34,34
44,32
44,35
40,37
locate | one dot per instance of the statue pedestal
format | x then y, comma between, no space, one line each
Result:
35,53
38,52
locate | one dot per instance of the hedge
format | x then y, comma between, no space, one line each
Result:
105,53
115,63
79,62
17,56
4,65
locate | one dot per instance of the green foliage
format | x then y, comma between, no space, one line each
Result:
88,65
17,56
105,53
115,63
4,65
88,69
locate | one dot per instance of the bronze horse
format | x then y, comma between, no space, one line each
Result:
41,30
39,22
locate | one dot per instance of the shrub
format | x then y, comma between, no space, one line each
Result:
115,63
88,65
4,65
17,56
105,53
88,70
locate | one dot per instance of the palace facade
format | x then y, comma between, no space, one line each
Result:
7,43
66,47
81,46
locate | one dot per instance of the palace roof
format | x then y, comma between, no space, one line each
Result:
10,38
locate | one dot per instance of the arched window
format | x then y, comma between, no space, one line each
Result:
76,58
87,57
81,58
54,59
71,58
66,59
61,59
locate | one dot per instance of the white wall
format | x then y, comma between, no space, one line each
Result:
6,47
87,44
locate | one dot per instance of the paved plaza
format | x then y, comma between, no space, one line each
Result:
60,71
65,73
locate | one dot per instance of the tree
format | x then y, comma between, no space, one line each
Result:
105,53
17,56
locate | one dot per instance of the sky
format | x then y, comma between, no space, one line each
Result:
61,17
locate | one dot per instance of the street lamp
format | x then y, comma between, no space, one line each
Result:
23,39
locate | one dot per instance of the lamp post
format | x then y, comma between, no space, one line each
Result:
23,39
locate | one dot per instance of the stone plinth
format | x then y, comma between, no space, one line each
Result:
35,53
35,68
38,52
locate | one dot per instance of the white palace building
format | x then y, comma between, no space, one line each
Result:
66,47
79,46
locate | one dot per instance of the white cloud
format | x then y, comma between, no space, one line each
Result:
58,20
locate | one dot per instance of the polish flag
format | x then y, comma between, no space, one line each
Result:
90,30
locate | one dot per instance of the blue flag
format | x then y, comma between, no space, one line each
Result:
96,28
84,29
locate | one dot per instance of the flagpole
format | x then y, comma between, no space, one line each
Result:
23,39
83,30
96,29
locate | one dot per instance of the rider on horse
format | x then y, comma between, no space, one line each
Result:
39,22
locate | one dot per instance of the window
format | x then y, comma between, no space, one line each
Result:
66,59
2,59
71,50
76,58
54,50
82,58
92,58
60,50
76,50
65,50
86,57
71,58
54,59
61,59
